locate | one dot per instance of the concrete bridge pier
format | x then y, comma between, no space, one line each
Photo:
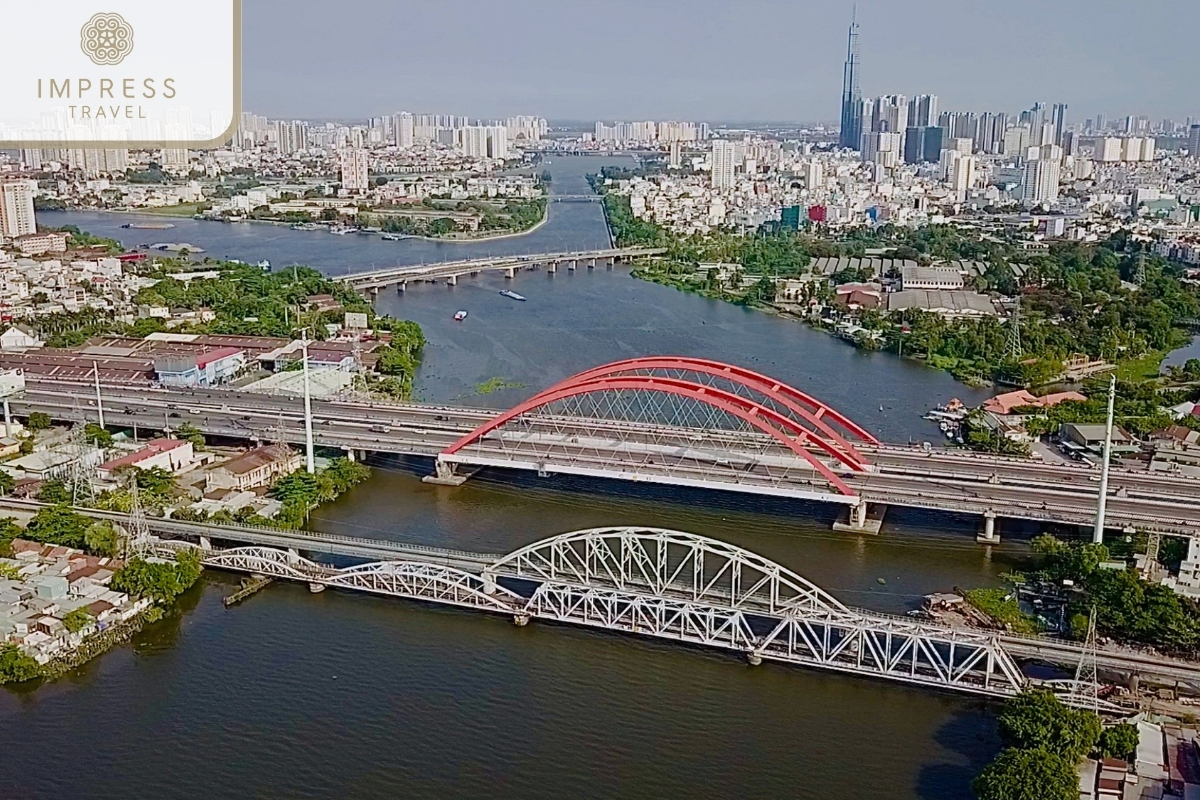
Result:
401,287
591,263
489,583
452,280
316,588
989,535
510,272
552,267
445,474
205,543
350,454
861,518
374,292
572,264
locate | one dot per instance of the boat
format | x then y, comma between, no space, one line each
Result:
149,226
511,295
341,230
459,316
392,237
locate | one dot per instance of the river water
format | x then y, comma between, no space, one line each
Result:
340,695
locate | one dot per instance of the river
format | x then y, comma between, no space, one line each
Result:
341,695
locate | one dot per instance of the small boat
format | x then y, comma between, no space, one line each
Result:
512,295
149,226
341,230
391,237
459,316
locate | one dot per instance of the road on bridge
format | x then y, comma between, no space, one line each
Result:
953,481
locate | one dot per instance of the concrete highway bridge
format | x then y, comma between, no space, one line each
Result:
451,271
672,421
659,583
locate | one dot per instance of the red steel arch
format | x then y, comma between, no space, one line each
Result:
756,415
791,417
799,403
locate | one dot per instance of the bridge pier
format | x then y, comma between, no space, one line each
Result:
572,264
862,518
316,588
374,291
989,534
552,267
452,280
401,287
205,543
753,659
521,619
445,474
591,263
510,272
350,454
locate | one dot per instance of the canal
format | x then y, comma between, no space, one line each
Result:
339,695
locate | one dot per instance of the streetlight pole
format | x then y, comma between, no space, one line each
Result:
308,434
1102,500
99,401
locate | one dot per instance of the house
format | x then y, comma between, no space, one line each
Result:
256,467
19,338
323,302
1003,404
173,455
52,463
914,276
1078,436
854,296
209,368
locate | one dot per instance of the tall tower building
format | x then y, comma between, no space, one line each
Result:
1040,175
923,111
354,164
724,154
16,208
1058,117
403,130
1194,142
851,131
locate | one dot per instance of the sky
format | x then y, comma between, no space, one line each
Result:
713,60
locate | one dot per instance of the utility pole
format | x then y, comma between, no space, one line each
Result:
1102,501
99,401
308,434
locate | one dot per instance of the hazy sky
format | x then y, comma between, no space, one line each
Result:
748,60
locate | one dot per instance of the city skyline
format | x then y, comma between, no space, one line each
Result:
761,61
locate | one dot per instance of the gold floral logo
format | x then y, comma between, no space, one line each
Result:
106,39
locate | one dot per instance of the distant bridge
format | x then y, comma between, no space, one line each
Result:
451,271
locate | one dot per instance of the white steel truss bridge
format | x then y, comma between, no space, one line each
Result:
673,586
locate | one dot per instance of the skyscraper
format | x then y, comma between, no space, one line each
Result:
923,111
1058,116
1040,175
16,208
724,154
355,170
1194,142
851,131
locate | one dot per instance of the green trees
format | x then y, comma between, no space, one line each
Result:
1127,608
1044,740
77,620
38,421
159,581
60,525
97,435
190,433
300,491
1037,719
54,491
1119,741
1027,775
15,666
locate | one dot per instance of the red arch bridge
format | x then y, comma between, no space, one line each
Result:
663,584
658,419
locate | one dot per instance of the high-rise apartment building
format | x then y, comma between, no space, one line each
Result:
403,130
16,208
1040,175
724,158
923,111
989,133
1058,118
852,120
1194,142
355,170
814,175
